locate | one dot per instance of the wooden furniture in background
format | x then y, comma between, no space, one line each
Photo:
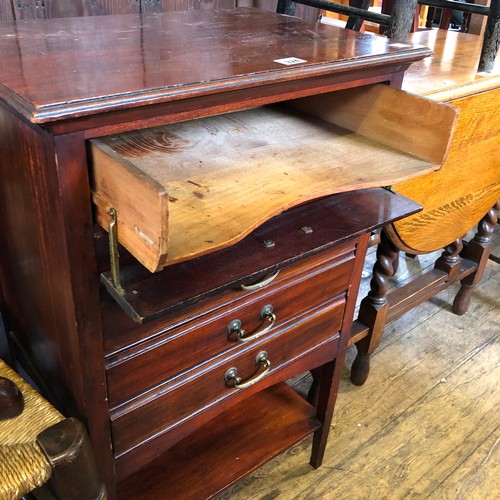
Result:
477,24
47,9
39,448
491,37
461,195
397,23
144,389
398,17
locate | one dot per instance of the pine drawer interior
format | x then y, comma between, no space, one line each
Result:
186,189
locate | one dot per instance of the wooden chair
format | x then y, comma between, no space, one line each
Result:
41,452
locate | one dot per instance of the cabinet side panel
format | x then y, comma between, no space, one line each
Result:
73,181
49,291
35,288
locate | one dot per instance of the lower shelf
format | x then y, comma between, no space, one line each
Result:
226,449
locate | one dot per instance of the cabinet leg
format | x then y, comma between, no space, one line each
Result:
327,389
313,393
374,308
478,250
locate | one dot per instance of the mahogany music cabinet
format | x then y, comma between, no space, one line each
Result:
234,157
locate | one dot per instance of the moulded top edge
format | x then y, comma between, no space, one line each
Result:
84,66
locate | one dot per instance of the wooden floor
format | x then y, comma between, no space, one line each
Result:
427,422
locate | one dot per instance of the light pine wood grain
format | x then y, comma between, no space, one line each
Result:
397,119
144,201
226,175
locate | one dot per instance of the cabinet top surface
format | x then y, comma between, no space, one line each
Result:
55,69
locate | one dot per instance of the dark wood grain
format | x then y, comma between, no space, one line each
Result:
177,5
7,10
203,335
74,191
86,77
59,68
40,299
150,298
147,452
127,119
48,9
25,203
31,9
327,386
11,399
143,419
277,424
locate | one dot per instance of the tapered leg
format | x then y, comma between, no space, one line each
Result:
478,250
326,394
374,308
313,393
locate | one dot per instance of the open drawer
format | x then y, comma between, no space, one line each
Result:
189,188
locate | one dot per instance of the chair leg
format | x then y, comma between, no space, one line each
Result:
495,258
491,40
74,474
445,21
286,7
430,17
355,23
373,309
478,250
403,13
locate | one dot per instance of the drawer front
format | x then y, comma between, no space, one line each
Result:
205,386
198,340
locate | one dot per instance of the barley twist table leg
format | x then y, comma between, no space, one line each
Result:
478,250
449,261
374,307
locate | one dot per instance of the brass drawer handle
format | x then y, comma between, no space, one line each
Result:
260,284
232,373
267,315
